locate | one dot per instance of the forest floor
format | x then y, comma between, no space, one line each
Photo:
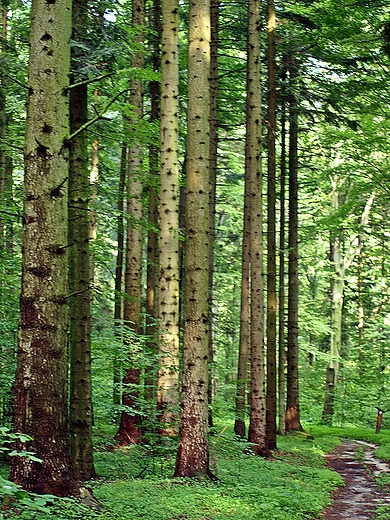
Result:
363,474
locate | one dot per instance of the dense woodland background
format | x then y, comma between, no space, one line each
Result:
331,86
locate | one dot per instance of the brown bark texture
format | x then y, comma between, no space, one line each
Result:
130,426
40,408
257,423
193,453
292,410
271,234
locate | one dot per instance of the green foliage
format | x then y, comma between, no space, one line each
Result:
11,493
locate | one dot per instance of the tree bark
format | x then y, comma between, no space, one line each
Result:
130,426
80,410
40,385
118,303
193,451
243,354
271,234
214,20
292,411
168,381
152,273
257,425
282,254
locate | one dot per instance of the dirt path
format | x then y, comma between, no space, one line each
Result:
359,498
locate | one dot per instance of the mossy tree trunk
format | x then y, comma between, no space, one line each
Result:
193,451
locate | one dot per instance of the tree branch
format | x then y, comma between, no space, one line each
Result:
90,80
96,118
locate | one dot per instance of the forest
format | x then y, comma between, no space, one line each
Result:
194,296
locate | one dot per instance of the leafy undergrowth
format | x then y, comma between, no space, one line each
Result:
136,483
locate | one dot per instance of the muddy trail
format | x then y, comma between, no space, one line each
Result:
360,497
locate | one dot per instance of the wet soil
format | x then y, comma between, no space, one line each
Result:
360,497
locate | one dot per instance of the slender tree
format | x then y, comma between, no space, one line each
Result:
81,416
193,451
40,385
282,254
243,354
292,410
271,233
214,20
257,425
118,303
168,394
152,273
130,425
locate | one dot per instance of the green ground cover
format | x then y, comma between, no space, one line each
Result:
136,482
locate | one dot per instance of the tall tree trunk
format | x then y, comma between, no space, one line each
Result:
130,427
193,451
118,303
292,411
80,411
243,354
257,425
5,171
40,385
168,393
271,234
214,20
152,274
282,245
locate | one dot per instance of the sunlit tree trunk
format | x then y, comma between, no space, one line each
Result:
40,408
130,427
193,451
292,410
257,426
168,394
271,234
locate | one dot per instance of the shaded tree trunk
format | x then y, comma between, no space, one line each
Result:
152,274
193,451
118,303
257,425
130,426
292,411
282,245
271,234
243,354
80,411
214,20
